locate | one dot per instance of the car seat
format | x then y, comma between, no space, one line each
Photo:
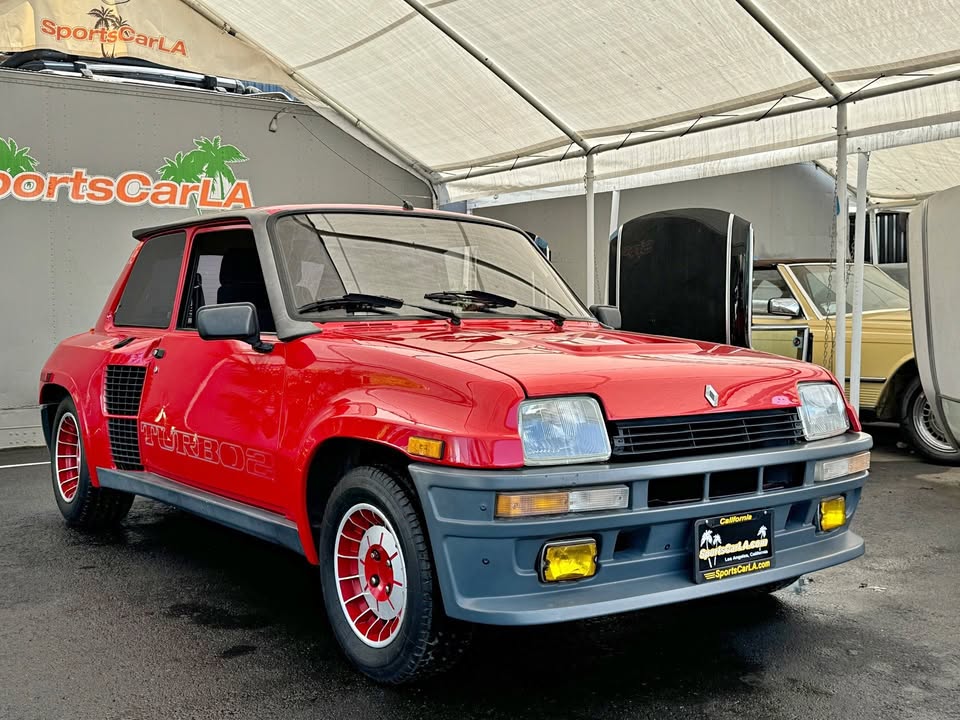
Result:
241,280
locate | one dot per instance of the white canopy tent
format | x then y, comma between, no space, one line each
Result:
485,97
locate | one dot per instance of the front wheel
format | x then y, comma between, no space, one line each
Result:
81,503
923,429
378,582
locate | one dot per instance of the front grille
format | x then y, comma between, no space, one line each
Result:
660,438
124,386
124,443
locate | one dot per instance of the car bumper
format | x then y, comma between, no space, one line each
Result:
487,568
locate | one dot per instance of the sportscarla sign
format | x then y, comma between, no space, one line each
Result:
201,178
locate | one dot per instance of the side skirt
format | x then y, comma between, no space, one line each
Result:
253,521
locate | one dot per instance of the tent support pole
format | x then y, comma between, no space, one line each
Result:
796,52
842,238
588,179
504,76
614,226
860,231
640,138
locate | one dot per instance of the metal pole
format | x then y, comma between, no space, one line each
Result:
643,134
530,99
874,238
614,226
860,231
797,53
840,276
591,232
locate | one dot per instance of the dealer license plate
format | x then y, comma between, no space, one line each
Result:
732,545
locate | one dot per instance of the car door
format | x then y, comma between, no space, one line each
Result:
142,316
777,334
211,411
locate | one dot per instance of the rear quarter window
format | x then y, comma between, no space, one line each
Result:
151,290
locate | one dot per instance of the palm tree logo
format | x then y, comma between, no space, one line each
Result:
15,160
107,18
762,532
209,159
710,539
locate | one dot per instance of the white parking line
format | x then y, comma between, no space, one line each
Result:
9,467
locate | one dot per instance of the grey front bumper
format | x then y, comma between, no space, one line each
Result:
487,568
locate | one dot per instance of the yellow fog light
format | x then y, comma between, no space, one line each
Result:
568,560
833,513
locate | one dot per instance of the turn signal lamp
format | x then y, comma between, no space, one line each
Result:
841,467
833,513
425,447
568,560
561,502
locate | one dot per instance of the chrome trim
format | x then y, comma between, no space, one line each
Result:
726,270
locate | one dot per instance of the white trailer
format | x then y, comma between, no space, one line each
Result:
84,161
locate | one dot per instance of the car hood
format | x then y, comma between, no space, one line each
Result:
633,375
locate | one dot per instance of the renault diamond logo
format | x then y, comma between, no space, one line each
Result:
711,395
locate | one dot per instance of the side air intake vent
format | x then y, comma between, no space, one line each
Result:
123,389
122,392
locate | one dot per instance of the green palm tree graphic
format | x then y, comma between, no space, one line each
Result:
217,159
210,159
15,160
182,168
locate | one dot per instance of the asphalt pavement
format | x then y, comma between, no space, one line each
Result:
174,617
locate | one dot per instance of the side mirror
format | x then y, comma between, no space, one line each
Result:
783,306
608,315
231,321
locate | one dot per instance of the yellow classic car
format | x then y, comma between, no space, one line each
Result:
794,314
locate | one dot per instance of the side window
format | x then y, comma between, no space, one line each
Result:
225,268
151,289
767,285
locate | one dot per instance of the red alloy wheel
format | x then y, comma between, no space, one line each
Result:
67,456
370,575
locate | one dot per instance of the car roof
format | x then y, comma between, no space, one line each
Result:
260,213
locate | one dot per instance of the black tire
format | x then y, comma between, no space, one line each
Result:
922,429
81,504
425,641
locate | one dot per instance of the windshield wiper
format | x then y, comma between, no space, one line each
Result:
491,300
361,302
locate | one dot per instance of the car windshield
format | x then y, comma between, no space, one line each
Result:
880,291
407,257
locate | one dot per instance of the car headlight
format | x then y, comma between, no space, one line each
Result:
822,410
560,431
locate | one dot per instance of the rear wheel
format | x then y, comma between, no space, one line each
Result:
379,587
923,429
81,504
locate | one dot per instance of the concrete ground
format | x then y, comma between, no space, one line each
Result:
174,617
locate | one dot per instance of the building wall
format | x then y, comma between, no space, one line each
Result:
60,259
791,208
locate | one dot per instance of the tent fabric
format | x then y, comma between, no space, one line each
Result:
612,71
